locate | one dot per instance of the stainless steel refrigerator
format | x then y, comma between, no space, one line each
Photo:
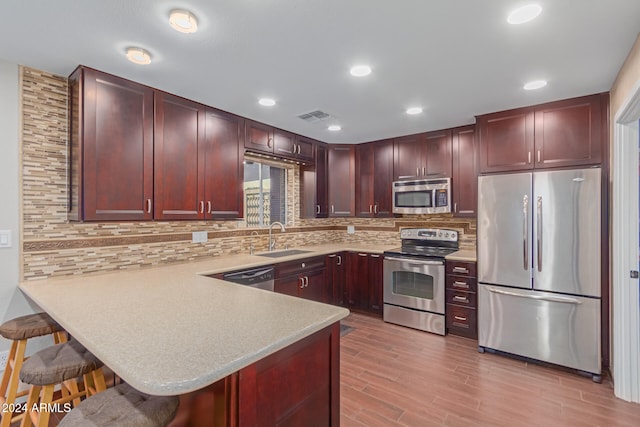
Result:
539,244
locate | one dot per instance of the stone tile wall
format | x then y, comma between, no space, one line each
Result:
53,246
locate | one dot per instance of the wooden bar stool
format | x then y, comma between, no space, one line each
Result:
122,405
19,330
59,364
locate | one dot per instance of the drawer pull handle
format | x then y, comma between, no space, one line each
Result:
461,319
464,285
459,298
460,270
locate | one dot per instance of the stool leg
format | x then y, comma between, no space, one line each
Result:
34,395
10,378
59,337
46,399
98,380
70,388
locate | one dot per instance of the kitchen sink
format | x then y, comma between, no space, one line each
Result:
278,254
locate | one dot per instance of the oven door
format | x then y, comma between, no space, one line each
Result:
414,283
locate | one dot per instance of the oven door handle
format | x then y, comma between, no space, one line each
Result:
415,261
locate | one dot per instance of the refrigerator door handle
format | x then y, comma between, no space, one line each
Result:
525,240
539,233
537,297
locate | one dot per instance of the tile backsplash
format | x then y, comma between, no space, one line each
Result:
53,246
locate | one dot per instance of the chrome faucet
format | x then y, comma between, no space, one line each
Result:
253,233
272,240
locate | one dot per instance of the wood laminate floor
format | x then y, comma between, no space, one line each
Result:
397,376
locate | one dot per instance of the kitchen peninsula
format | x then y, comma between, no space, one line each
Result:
171,330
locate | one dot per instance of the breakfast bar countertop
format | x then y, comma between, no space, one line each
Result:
169,330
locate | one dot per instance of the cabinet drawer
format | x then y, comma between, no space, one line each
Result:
467,299
462,321
461,268
461,283
294,267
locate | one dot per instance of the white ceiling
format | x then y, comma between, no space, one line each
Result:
455,58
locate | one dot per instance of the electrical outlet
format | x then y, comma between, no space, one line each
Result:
4,356
199,237
351,229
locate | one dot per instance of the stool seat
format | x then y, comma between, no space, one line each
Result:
59,363
122,405
29,326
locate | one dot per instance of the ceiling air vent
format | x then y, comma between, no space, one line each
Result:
314,116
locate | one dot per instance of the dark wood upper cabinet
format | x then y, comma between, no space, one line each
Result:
314,197
407,157
425,155
506,140
565,133
305,148
570,132
179,159
341,180
224,167
258,137
464,180
374,177
284,143
111,148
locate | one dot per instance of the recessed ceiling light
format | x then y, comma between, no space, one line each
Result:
414,110
183,21
138,55
267,102
524,14
360,70
334,128
535,84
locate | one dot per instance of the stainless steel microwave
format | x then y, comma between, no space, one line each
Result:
422,196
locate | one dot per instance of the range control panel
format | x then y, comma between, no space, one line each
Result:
441,234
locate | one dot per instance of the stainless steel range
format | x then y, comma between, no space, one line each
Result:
414,274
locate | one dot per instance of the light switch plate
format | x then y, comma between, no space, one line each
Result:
351,229
5,238
199,237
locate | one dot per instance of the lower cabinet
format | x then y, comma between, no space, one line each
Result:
305,278
364,282
461,288
336,277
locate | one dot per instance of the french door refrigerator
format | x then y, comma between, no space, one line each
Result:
539,237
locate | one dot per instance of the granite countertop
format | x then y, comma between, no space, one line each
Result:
468,255
169,330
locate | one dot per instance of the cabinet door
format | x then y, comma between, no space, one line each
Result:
305,148
364,180
357,289
437,154
258,137
224,168
313,186
111,148
315,285
570,132
407,157
382,178
341,181
336,276
290,285
178,163
506,140
284,143
465,176
375,284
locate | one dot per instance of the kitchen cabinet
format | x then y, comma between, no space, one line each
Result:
564,133
464,180
111,148
364,282
197,161
461,298
314,197
336,277
304,278
258,137
426,155
374,178
291,146
341,180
